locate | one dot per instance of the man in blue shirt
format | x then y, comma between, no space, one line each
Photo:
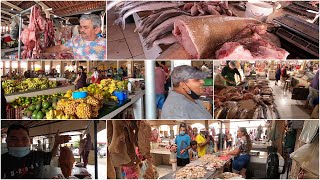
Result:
183,144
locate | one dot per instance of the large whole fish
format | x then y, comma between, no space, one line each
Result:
201,35
146,7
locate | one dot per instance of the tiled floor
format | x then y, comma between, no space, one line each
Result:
288,108
123,44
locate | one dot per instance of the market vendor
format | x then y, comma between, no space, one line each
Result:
95,78
241,152
183,101
81,80
228,73
87,46
22,163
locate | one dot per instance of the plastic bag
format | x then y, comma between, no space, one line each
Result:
307,157
309,131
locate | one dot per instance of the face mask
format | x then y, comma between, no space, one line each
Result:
182,133
19,151
192,94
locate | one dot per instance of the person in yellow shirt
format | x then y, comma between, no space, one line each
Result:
202,143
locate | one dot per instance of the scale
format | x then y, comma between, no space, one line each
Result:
301,37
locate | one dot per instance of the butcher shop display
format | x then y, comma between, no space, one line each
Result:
40,34
255,102
126,136
37,35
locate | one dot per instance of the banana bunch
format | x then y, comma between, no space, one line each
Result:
58,114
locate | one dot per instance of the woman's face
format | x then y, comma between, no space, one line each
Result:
239,133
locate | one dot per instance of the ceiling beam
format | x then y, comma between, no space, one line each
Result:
43,5
12,5
7,13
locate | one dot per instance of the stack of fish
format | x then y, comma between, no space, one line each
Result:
255,103
157,27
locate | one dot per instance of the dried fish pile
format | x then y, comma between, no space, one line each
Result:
157,27
191,173
229,175
255,103
212,160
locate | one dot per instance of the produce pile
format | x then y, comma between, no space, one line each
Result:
157,27
12,86
191,173
37,107
89,107
63,106
237,103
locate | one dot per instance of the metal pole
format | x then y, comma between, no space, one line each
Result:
95,149
19,41
220,139
150,89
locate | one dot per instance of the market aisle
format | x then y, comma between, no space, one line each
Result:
164,169
287,107
101,168
122,44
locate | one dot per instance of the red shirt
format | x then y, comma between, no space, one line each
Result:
160,77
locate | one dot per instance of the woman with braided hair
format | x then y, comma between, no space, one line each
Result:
241,153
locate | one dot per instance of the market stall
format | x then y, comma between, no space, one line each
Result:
32,27
250,90
173,30
42,136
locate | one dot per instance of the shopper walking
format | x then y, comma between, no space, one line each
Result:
183,145
81,80
160,80
278,74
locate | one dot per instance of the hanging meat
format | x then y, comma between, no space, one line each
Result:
125,137
37,35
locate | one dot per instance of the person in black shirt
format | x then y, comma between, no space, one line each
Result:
228,73
22,163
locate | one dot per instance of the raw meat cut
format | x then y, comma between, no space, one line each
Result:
251,48
111,173
31,35
118,146
200,36
144,136
250,44
66,161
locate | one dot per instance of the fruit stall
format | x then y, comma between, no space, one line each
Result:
260,96
54,22
42,136
103,101
174,30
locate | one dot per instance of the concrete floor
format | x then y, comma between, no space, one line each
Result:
102,169
288,108
122,44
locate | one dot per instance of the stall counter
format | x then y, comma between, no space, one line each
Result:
63,89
